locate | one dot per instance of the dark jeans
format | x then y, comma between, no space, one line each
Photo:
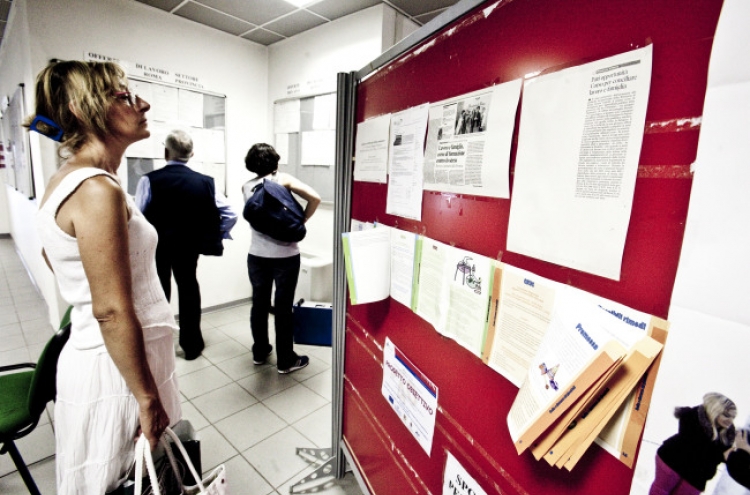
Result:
263,273
183,264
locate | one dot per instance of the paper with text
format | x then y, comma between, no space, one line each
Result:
371,150
578,330
411,394
404,246
454,289
468,142
524,311
579,143
457,481
405,162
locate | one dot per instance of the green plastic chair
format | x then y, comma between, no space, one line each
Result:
24,396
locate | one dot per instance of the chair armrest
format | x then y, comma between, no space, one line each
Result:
19,366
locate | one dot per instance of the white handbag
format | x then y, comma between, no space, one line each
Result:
213,484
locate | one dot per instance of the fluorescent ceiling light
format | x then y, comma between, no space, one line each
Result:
300,3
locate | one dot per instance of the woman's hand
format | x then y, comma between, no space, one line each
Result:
741,440
154,420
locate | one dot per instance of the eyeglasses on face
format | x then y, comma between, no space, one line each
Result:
128,97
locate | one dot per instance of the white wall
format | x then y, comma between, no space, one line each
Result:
251,76
344,45
225,64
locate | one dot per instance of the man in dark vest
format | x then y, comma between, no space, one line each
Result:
191,219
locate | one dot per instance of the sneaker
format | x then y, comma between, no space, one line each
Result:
263,360
302,361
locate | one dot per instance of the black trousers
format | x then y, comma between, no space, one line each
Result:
175,259
264,272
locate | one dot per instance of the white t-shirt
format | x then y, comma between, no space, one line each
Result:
262,245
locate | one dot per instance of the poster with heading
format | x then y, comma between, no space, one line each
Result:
579,143
411,394
469,139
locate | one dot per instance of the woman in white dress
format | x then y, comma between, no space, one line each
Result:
116,373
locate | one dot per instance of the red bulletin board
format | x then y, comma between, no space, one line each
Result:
496,42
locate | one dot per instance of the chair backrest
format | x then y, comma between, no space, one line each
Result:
43,384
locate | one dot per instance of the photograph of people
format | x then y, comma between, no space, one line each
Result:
687,460
271,262
471,116
116,374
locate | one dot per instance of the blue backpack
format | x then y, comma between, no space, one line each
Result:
272,210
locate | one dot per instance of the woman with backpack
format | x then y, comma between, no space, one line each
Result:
272,261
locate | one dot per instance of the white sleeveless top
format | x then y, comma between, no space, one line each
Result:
262,245
152,309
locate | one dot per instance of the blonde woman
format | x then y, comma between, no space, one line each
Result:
688,459
116,373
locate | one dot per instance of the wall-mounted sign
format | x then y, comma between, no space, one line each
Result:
148,72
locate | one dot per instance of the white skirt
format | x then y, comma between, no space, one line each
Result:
96,415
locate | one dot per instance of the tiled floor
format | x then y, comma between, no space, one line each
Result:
248,417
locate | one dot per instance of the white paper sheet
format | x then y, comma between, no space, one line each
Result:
165,105
318,148
523,316
578,148
324,112
469,277
454,292
469,139
432,292
405,160
413,397
403,251
208,145
190,108
368,264
457,481
281,146
371,150
286,116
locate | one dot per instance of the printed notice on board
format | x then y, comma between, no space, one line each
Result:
405,162
411,395
579,144
371,150
468,142
456,481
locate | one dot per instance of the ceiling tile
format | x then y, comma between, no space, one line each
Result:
417,7
333,9
256,11
295,23
167,5
262,36
209,17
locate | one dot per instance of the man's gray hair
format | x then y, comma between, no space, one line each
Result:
180,145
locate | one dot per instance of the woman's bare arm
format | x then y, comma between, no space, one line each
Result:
304,191
99,216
